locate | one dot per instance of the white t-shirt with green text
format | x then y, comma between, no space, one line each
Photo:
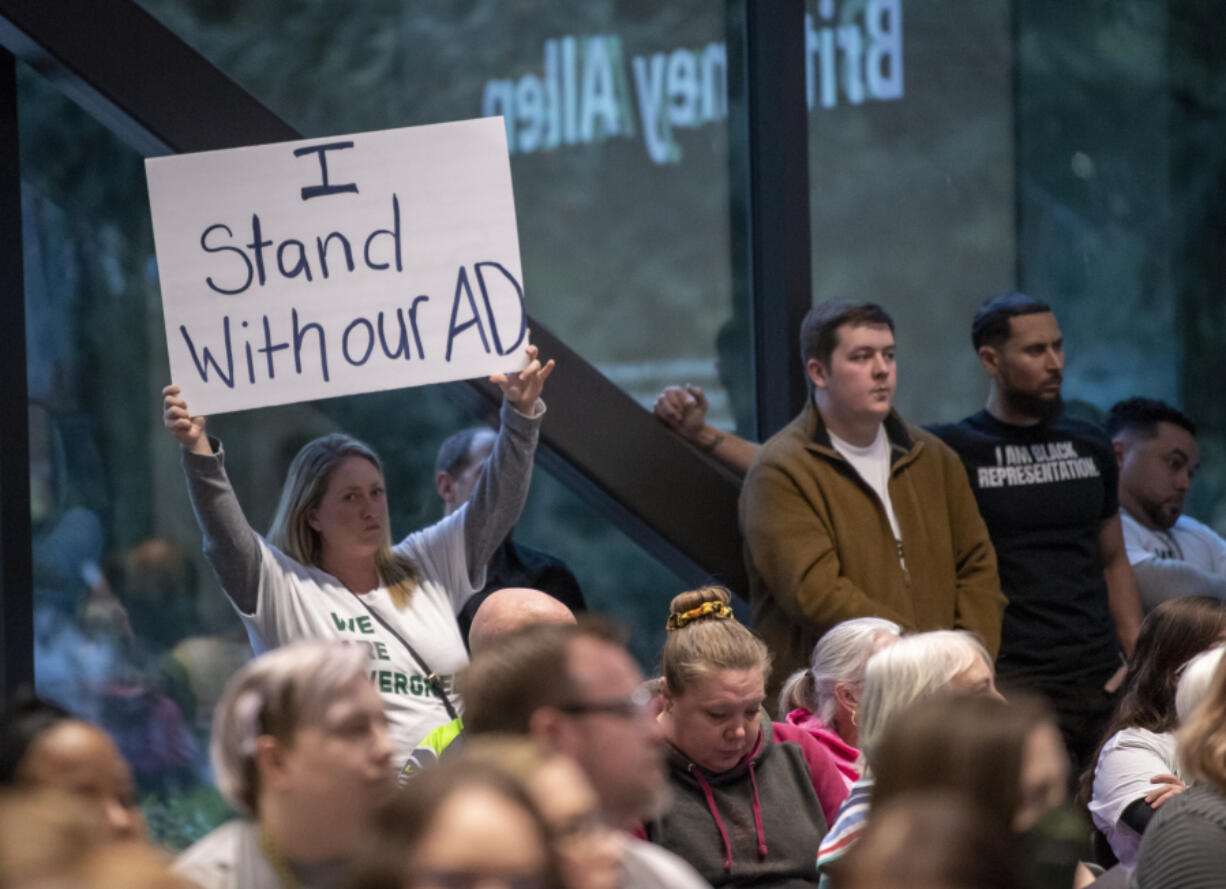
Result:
298,602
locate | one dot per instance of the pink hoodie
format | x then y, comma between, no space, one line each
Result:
844,754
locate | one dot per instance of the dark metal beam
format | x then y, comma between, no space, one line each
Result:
131,73
662,493
16,558
768,120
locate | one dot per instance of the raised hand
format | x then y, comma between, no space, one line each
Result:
683,409
188,430
523,388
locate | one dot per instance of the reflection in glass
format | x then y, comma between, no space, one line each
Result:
911,173
130,627
616,118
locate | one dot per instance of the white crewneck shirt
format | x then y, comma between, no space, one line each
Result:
873,464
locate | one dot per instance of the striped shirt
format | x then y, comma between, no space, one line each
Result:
847,827
1184,846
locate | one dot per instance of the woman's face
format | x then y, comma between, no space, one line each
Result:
82,760
1044,778
714,721
478,837
847,695
977,679
351,518
340,766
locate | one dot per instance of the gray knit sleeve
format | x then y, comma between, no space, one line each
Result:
1162,579
230,544
501,490
1185,844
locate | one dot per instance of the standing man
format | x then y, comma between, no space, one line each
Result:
850,512
1046,485
1171,554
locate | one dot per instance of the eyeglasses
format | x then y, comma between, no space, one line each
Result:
636,704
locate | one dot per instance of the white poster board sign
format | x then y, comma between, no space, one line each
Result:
326,267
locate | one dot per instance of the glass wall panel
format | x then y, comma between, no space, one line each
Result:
616,118
119,594
1121,147
911,172
131,628
1074,152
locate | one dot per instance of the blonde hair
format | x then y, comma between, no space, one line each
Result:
707,638
912,669
276,694
1202,742
305,485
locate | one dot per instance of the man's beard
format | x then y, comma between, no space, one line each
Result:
1036,407
1161,517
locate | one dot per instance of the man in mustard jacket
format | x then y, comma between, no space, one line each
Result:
851,512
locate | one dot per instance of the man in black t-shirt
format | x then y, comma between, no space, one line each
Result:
1046,486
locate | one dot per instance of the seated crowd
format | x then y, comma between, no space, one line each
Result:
573,772
855,737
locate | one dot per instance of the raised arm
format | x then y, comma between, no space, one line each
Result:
229,543
501,490
684,410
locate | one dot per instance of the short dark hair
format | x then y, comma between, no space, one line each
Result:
819,331
991,326
22,723
453,452
1143,415
526,670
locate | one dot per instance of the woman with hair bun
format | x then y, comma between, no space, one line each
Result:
744,810
824,698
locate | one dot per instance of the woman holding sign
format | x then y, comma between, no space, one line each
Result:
328,569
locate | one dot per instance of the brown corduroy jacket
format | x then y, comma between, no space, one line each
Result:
819,548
